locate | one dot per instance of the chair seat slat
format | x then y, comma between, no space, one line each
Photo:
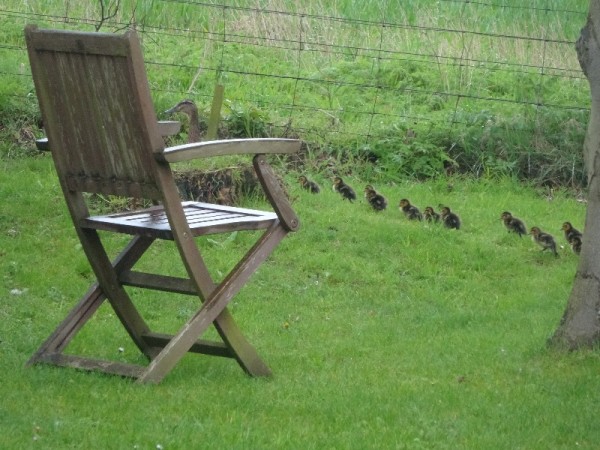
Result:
203,218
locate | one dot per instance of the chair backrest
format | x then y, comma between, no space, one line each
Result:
97,111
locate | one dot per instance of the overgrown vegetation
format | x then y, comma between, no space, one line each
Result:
473,103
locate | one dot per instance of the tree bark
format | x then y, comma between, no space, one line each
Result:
580,324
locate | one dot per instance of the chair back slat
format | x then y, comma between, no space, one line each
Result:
97,111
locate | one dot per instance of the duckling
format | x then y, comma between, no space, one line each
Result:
376,200
450,219
343,189
410,211
512,224
570,232
575,244
430,215
189,108
310,186
544,240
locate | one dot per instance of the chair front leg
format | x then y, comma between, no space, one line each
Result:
212,308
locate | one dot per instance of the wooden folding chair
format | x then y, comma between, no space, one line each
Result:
104,137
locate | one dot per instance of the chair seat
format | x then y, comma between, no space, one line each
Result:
203,218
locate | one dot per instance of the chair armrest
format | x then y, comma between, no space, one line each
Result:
165,128
168,127
257,146
275,193
223,147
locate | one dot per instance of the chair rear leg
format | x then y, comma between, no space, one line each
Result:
66,331
88,305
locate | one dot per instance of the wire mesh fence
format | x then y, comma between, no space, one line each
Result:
348,76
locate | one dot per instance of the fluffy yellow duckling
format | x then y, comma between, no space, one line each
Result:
376,200
309,185
410,211
512,224
343,189
544,240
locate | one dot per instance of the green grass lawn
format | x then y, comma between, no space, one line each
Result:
381,333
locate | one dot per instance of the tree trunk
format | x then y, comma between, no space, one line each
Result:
580,324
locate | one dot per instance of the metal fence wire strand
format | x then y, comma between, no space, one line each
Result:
348,78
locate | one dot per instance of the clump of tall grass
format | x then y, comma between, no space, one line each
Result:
544,148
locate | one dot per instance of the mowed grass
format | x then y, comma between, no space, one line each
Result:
381,333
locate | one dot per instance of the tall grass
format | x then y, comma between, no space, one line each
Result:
341,73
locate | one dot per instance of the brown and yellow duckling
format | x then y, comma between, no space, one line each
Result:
449,218
570,231
512,224
411,212
309,185
430,215
343,189
375,199
544,240
575,244
573,236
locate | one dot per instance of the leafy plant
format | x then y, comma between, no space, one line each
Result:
246,121
410,152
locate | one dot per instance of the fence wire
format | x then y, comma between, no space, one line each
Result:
341,78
